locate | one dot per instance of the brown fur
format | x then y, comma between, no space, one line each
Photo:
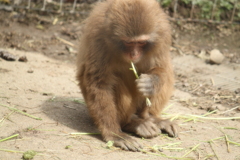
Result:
107,84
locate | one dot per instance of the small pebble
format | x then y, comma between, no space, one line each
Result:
7,56
216,57
237,91
218,107
238,108
23,59
30,71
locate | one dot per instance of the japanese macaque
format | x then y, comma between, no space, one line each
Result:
116,33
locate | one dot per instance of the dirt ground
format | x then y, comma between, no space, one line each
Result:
59,126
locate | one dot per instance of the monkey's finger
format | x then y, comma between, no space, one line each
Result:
175,130
147,84
147,130
124,147
170,127
144,80
151,133
128,145
133,146
137,146
146,92
169,131
144,132
144,85
121,144
172,130
153,130
144,75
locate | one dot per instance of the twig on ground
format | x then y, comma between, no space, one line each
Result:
165,156
214,150
26,114
194,148
83,133
6,117
13,151
5,139
65,41
230,110
227,142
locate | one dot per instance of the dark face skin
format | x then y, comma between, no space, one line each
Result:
134,48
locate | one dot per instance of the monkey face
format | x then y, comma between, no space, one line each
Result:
135,48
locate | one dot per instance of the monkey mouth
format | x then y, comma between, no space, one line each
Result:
135,59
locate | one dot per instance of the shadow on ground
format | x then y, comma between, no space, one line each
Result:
69,112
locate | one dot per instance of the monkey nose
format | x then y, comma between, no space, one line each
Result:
132,54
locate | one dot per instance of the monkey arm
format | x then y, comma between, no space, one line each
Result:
100,102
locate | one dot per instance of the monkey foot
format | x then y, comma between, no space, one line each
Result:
169,127
142,127
125,142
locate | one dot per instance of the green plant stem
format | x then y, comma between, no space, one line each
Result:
79,133
213,118
148,102
195,147
165,156
214,150
227,142
7,150
26,114
5,139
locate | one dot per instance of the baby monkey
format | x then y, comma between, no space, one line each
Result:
116,33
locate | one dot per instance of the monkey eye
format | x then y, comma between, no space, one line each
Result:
128,43
142,43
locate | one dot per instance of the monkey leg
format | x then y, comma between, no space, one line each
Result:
111,131
142,127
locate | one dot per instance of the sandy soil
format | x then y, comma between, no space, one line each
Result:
45,87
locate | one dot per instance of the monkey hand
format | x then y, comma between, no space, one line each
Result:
169,127
145,84
125,142
147,129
